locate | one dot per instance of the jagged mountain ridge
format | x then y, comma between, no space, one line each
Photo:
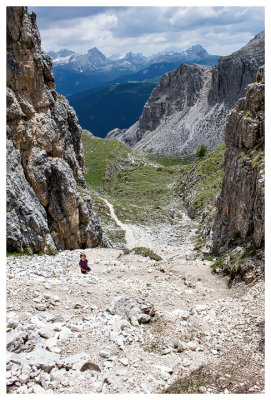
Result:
190,105
45,162
95,58
78,72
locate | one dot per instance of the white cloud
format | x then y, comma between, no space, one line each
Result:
150,29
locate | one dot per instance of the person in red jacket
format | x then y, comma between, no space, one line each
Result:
83,263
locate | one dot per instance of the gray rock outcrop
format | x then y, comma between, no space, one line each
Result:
240,206
136,310
45,163
190,105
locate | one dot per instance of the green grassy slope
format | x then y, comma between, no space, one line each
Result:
140,189
98,154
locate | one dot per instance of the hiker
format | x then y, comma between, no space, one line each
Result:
83,263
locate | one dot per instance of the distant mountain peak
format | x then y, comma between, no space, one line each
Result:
94,50
61,53
197,49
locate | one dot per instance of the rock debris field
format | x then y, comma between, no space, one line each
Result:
132,325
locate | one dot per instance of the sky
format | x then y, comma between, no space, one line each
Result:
220,30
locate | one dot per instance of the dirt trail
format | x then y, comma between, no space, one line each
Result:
129,235
198,322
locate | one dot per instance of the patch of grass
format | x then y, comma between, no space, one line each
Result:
218,263
50,251
142,193
229,263
27,251
202,182
191,383
60,97
145,252
171,161
210,172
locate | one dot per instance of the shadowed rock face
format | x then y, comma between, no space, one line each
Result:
240,206
45,163
190,105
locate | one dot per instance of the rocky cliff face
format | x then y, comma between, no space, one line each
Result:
240,206
45,164
190,105
233,73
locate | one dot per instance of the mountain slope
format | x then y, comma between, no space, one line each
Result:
190,105
101,110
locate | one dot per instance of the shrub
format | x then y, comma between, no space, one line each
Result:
145,252
202,151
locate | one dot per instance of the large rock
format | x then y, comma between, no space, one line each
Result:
45,162
190,105
133,309
240,206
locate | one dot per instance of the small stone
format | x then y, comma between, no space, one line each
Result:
41,307
248,278
181,347
201,307
104,353
90,366
45,332
76,328
143,318
186,362
13,323
124,361
48,286
37,299
192,345
24,378
202,389
166,351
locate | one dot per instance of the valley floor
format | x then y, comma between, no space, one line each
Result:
65,337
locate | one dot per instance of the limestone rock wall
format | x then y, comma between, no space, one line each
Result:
190,105
240,206
234,72
45,163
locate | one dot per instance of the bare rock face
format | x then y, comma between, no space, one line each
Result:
233,73
190,105
240,206
45,163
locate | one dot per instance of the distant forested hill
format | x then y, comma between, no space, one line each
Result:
116,106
